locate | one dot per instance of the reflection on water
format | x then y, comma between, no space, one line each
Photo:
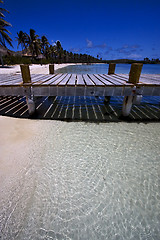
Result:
103,69
84,181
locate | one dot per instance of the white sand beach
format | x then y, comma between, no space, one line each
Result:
34,68
77,180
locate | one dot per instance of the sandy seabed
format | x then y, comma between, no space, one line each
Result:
77,180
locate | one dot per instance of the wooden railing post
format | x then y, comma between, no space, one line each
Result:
27,89
25,73
51,69
111,68
135,73
128,101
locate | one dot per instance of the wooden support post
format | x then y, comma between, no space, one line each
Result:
127,105
134,76
27,89
111,68
135,73
51,69
107,99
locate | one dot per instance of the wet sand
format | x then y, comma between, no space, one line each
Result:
77,180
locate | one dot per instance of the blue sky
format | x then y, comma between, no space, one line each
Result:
112,29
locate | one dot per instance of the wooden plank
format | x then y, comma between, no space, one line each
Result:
13,82
12,91
121,78
120,81
80,80
96,81
109,79
6,77
11,79
150,90
72,80
43,90
52,80
125,77
87,80
115,80
149,81
45,80
37,77
151,76
59,79
80,86
103,80
64,80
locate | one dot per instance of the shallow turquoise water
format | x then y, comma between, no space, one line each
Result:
103,68
83,181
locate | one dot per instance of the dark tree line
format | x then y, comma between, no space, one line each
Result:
34,46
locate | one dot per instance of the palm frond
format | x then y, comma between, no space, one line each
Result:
5,38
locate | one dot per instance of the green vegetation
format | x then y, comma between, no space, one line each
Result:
39,50
4,37
4,33
130,61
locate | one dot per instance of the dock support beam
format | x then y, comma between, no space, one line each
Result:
111,70
27,88
134,76
107,99
51,69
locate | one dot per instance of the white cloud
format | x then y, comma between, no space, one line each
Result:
74,49
89,43
134,56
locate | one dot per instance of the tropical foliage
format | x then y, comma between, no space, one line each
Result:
22,39
36,47
4,32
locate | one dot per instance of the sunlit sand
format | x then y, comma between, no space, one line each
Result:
34,69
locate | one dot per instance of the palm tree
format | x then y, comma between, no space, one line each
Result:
4,37
44,45
3,31
34,43
22,39
52,52
59,50
58,45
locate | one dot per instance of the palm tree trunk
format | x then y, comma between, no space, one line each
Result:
1,60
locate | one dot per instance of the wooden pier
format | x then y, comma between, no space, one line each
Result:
132,86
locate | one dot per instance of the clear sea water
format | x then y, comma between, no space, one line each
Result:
81,180
103,68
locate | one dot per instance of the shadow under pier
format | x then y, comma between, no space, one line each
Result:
89,109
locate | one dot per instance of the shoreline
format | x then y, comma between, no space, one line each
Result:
34,68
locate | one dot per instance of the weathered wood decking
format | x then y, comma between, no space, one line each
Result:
79,85
132,86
